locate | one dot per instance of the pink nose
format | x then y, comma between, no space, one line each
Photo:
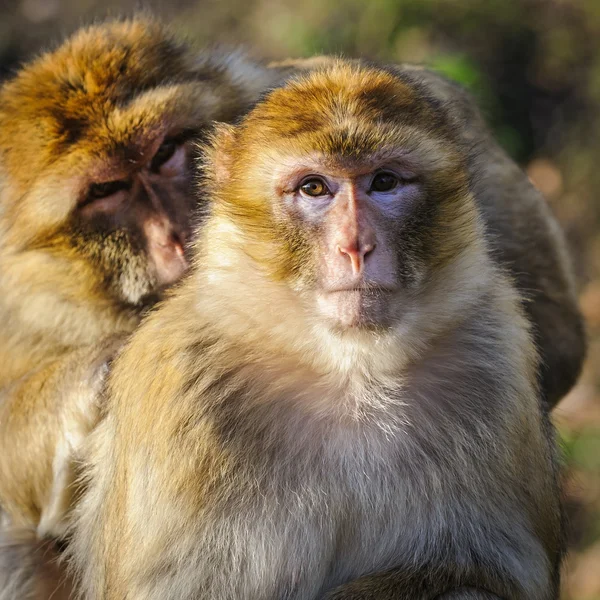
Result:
356,255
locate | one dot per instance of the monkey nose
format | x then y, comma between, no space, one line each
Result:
356,254
174,241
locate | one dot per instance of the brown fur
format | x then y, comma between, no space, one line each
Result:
260,453
75,278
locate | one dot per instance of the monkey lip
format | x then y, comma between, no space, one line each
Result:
360,288
354,305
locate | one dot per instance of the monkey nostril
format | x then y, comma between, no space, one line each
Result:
353,251
368,249
178,242
356,255
349,251
183,236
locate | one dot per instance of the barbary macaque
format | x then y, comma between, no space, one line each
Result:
341,400
49,362
96,200
525,237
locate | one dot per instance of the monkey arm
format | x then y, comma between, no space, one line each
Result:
414,585
44,418
466,594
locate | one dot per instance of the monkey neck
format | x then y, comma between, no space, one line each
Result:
279,368
45,310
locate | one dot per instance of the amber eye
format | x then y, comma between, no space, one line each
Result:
164,153
97,191
384,182
314,187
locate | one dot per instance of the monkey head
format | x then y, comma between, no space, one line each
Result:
96,144
349,187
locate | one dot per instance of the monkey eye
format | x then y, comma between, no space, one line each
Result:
314,187
384,182
164,153
97,191
171,157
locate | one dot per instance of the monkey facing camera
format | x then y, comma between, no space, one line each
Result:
341,401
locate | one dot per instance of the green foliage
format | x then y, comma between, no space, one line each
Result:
582,449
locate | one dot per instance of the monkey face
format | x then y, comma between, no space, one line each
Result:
357,187
351,218
96,141
371,235
135,228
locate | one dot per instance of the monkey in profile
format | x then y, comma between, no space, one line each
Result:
96,177
341,400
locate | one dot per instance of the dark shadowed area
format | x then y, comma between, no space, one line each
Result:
535,67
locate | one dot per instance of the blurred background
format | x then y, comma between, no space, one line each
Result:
534,65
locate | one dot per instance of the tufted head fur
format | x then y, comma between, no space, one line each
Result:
92,112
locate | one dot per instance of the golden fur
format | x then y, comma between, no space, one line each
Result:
261,454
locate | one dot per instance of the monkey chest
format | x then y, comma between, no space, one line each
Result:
336,518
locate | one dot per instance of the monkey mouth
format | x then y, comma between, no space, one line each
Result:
355,306
362,288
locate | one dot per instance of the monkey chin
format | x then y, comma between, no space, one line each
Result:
354,309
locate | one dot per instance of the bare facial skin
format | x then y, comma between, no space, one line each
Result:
359,269
340,401
151,204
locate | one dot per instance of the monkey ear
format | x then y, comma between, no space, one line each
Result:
219,155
